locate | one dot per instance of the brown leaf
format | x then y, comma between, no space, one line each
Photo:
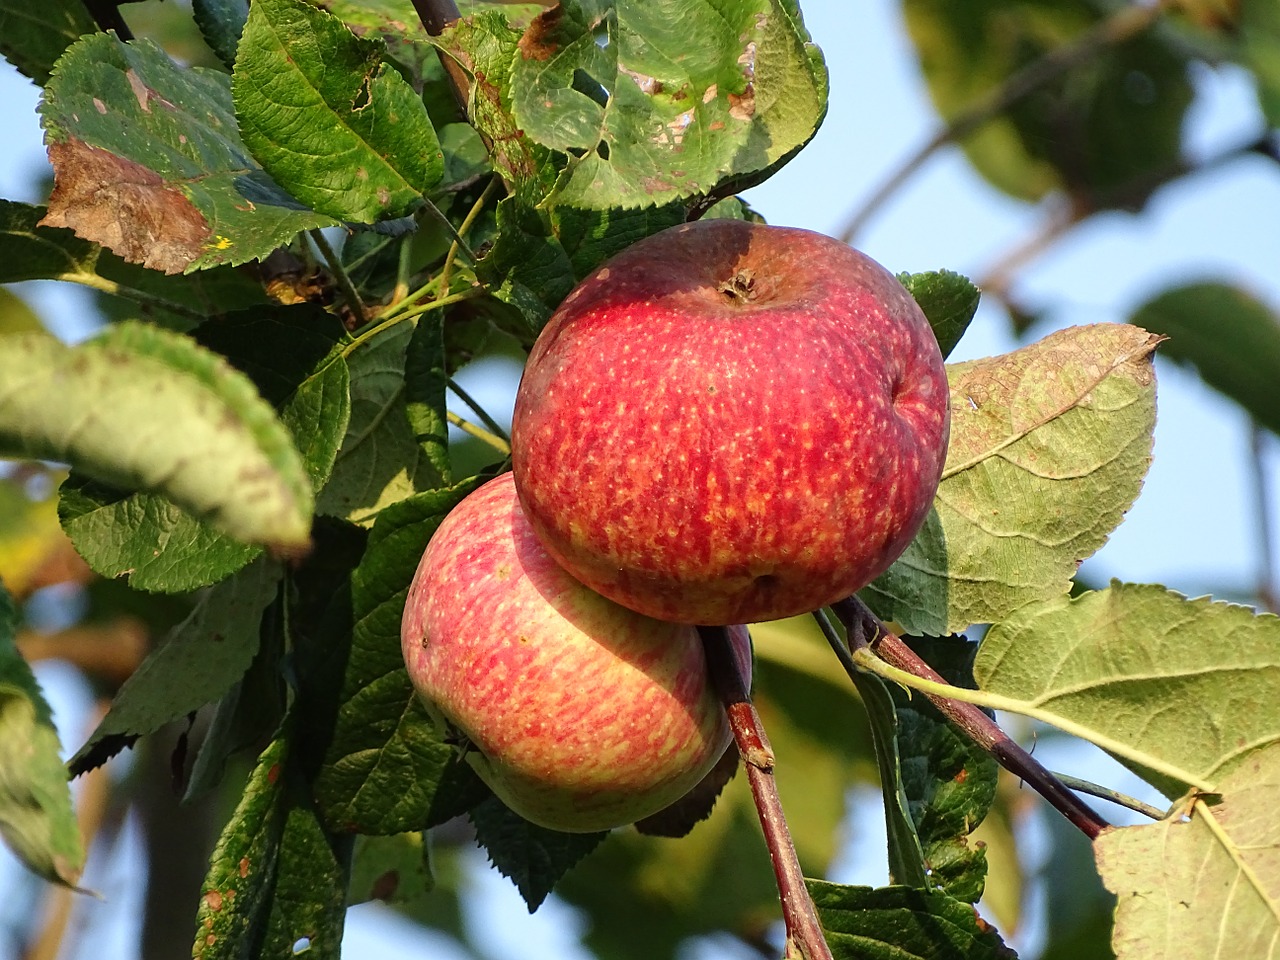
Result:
124,206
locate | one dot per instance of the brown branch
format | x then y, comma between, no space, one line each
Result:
804,932
436,15
1125,24
109,651
976,725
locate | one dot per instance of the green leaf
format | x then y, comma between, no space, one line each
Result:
641,126
149,163
1097,132
1049,447
1207,885
139,407
36,818
1082,664
949,781
380,461
34,35
387,769
532,857
200,661
948,300
902,923
391,869
33,252
1229,336
336,127
16,316
221,23
425,383
309,901
242,871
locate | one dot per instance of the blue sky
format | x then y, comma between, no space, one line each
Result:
1194,527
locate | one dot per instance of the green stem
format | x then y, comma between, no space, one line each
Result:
103,285
472,214
349,291
1115,796
479,411
450,229
1124,24
403,268
867,660
466,426
387,322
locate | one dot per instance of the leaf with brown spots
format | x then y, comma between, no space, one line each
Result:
1049,448
148,161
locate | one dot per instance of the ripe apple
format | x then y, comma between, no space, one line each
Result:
580,714
730,422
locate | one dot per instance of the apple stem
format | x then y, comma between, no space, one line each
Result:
804,933
859,621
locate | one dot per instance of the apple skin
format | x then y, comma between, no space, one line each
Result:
730,422
580,714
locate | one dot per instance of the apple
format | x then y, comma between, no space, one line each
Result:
580,714
730,422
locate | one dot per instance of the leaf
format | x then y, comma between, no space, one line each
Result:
30,539
36,818
309,901
1097,132
391,869
1260,43
380,461
200,661
948,300
242,871
1049,447
902,923
532,857
139,407
387,769
641,126
949,782
33,252
1094,666
149,163
1207,885
425,383
221,23
34,35
1229,336
327,119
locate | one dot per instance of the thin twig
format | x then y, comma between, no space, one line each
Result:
1124,24
95,282
967,717
804,932
390,321
479,411
1115,796
436,15
466,426
490,188
349,291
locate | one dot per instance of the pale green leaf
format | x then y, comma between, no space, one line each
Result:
36,818
1183,691
1049,447
642,125
336,127
33,35
392,869
149,163
1207,885
141,408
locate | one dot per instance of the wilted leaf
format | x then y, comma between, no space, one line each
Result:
532,857
640,126
1228,335
1182,691
380,461
1112,121
902,923
34,35
1206,886
200,661
387,769
36,819
336,127
142,408
948,300
148,161
1049,447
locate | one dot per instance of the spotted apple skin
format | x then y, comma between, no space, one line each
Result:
580,714
730,422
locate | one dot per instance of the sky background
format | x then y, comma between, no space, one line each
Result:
1194,529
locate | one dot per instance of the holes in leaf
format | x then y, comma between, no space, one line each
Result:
589,86
301,945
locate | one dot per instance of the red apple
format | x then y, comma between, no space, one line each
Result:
580,714
730,422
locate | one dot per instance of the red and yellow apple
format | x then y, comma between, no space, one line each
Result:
580,714
730,422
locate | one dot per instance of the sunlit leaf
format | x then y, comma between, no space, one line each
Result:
948,300
1205,886
1049,447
